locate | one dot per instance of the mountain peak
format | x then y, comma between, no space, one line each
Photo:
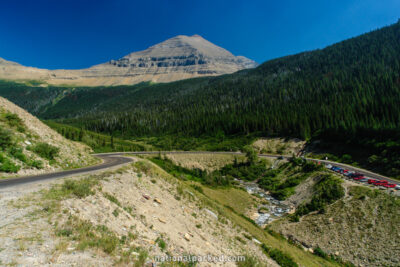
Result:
177,58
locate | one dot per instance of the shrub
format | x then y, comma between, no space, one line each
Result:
116,212
283,259
161,243
45,150
5,138
112,198
319,252
310,166
197,188
80,188
64,232
13,119
6,165
251,154
250,261
36,164
18,154
327,190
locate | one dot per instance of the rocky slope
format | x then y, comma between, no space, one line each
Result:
361,228
178,58
27,146
132,216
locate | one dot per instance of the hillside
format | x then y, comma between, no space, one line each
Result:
362,227
129,216
345,95
333,217
29,147
177,58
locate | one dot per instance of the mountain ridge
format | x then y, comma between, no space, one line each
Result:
180,57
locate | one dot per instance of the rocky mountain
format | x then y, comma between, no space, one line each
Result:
178,58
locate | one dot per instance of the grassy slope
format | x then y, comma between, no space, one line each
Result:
232,203
218,199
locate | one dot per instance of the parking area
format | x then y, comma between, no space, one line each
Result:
361,178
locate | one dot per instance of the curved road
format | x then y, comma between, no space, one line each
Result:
117,158
108,162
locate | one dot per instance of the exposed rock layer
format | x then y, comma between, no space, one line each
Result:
178,58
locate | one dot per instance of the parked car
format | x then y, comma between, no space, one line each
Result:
381,183
349,174
364,180
329,166
371,181
389,185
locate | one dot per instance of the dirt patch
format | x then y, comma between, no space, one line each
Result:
279,146
209,162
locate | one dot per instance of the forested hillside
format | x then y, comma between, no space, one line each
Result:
348,86
347,93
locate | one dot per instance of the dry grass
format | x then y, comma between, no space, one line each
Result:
238,199
209,162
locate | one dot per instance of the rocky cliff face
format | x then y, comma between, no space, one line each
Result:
180,57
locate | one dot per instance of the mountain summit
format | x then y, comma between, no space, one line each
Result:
177,58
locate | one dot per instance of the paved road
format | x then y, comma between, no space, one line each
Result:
341,165
116,158
108,162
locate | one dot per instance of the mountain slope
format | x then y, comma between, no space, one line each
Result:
27,146
178,58
347,93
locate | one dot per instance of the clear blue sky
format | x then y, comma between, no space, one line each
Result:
77,34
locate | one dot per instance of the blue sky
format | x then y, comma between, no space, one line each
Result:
77,34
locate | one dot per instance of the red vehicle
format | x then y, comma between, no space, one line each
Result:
359,177
381,183
371,181
389,185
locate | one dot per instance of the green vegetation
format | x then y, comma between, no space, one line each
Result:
283,259
79,188
5,138
250,261
88,235
345,95
100,143
230,203
6,165
112,199
161,243
281,182
10,148
45,150
327,190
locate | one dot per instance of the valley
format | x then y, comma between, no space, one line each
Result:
182,153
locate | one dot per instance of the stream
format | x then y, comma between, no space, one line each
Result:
266,213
